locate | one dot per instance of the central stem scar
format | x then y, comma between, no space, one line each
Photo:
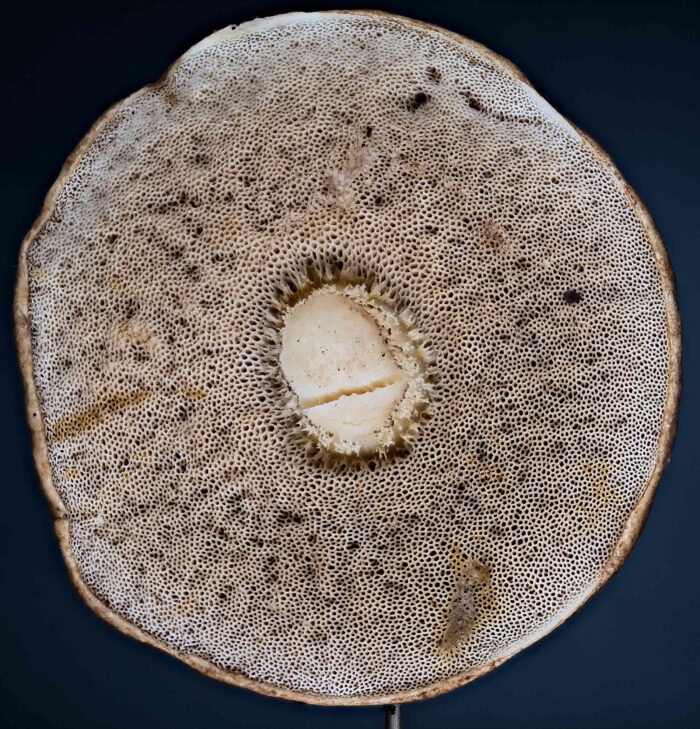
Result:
347,369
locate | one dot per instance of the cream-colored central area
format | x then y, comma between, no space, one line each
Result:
338,362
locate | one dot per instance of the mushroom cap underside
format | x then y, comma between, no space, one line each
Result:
422,172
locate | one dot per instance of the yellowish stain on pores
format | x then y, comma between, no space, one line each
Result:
114,283
133,334
188,607
471,601
84,420
604,492
490,471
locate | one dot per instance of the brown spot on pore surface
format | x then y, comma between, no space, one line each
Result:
417,100
460,619
473,102
434,74
80,422
472,600
493,236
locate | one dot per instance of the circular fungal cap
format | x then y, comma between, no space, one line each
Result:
352,366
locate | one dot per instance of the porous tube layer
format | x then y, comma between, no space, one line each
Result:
356,150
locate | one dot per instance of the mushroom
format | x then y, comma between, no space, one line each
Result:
351,365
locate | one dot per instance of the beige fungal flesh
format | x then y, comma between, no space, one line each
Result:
352,366
358,378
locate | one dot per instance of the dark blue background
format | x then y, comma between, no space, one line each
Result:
625,72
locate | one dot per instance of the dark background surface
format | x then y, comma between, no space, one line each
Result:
625,72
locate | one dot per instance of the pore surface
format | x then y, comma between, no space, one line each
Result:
315,148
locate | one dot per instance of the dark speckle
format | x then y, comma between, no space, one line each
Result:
433,74
472,101
286,517
417,100
572,297
131,308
